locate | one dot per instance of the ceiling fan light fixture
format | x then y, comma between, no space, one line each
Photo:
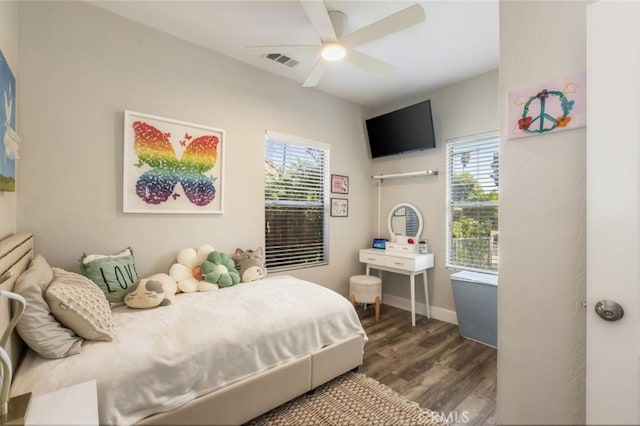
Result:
333,52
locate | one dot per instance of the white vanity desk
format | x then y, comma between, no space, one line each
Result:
398,262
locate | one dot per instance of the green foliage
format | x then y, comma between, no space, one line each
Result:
473,252
467,188
294,219
290,184
468,227
473,226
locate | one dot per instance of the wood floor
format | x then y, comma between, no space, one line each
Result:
431,364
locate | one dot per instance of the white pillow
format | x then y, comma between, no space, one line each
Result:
80,305
38,327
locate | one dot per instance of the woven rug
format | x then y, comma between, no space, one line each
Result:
351,399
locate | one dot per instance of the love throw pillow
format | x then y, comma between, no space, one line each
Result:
113,273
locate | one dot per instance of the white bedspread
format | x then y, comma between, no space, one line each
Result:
162,358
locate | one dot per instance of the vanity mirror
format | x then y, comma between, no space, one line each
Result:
405,220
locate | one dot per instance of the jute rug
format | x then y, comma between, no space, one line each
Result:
351,399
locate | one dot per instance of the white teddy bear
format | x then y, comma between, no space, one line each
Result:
187,270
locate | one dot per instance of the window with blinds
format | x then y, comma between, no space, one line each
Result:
296,174
472,202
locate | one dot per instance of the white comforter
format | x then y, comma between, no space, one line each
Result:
162,358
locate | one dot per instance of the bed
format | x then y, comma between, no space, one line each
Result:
222,357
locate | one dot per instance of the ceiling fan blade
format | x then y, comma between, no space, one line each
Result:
317,13
398,21
265,50
315,75
368,63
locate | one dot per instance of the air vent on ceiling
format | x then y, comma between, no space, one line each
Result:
283,59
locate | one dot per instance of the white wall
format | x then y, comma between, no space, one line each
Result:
9,47
82,66
465,108
541,321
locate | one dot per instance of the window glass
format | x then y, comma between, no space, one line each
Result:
472,203
296,183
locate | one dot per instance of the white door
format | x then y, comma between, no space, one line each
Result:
613,209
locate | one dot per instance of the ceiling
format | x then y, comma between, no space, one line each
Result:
457,40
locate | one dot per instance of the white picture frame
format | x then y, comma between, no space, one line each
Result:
171,166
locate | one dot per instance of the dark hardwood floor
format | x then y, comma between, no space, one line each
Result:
431,364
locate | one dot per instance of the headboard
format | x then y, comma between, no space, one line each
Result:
16,251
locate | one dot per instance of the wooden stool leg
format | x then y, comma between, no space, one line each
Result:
377,308
352,298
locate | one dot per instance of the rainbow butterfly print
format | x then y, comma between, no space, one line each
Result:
173,166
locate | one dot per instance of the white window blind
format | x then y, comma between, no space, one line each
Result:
472,202
296,188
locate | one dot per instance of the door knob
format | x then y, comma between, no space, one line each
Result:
609,310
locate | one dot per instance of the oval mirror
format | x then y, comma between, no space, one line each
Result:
405,219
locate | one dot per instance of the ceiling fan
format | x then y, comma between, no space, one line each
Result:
336,46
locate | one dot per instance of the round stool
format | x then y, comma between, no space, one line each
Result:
366,289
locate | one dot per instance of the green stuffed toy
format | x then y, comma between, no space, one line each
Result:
219,269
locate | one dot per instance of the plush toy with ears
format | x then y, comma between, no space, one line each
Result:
146,293
251,264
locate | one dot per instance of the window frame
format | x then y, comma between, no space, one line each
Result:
300,142
492,137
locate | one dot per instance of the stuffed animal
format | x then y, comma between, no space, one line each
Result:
219,270
169,285
146,293
187,273
251,264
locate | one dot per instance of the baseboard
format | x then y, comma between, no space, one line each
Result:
438,313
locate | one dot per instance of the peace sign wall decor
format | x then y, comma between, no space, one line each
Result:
171,166
549,107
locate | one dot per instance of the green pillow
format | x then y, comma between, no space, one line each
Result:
113,273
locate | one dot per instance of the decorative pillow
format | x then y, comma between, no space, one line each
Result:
250,264
112,273
187,272
220,270
169,285
77,303
38,327
146,293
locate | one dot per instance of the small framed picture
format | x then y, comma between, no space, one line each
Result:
339,184
339,207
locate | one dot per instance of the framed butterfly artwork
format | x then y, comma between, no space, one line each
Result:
171,166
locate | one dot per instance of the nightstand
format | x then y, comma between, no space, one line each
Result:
398,262
73,405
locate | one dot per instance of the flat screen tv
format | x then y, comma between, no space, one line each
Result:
404,130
